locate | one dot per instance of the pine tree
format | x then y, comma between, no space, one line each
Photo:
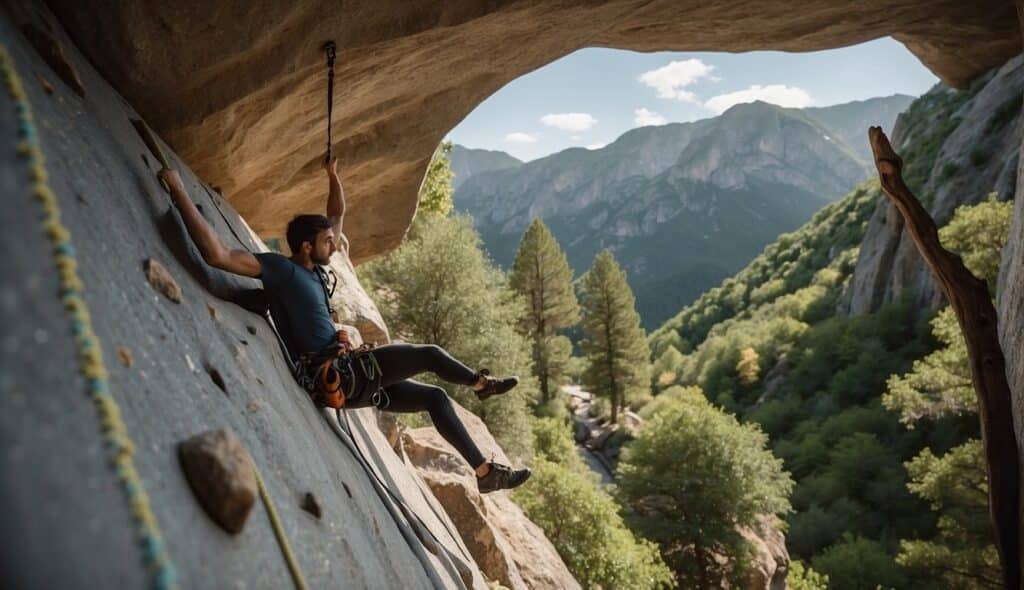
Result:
618,358
541,274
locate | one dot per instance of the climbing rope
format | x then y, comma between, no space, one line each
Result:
282,539
90,353
330,48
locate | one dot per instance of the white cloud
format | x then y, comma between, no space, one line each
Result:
670,81
643,117
569,121
596,146
784,96
520,137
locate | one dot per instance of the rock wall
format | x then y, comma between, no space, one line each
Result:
184,356
974,160
239,89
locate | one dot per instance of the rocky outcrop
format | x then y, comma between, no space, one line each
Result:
974,151
198,363
239,89
770,565
509,548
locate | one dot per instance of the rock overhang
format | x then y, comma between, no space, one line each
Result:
239,89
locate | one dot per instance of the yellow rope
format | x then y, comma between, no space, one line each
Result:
282,539
90,353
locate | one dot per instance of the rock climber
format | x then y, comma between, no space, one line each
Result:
299,304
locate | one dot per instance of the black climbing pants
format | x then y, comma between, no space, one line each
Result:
397,363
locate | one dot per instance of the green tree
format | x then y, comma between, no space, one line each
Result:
962,554
978,233
440,288
693,475
857,563
748,369
801,577
436,191
618,358
666,368
581,520
541,275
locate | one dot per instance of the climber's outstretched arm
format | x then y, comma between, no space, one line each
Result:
214,251
335,201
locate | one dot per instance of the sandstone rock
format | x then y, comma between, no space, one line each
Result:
771,559
162,280
220,472
353,304
507,546
246,108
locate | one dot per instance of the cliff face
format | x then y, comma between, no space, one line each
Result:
968,145
239,89
176,369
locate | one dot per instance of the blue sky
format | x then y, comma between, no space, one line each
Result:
592,96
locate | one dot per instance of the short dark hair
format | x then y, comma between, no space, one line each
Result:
304,228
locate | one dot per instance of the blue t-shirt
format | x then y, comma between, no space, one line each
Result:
297,304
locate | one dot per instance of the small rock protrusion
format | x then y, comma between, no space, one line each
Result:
347,491
310,505
252,329
47,87
217,379
162,281
212,310
125,355
53,54
253,406
220,472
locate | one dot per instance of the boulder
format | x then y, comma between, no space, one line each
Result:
508,547
771,559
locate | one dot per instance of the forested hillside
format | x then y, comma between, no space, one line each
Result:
873,413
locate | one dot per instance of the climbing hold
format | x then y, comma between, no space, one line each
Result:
220,472
52,53
162,281
216,378
252,329
45,83
125,355
212,310
253,406
310,505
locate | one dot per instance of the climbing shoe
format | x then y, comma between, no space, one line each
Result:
494,385
501,477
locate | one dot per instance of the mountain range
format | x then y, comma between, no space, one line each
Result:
682,205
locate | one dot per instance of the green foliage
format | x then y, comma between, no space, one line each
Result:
692,476
978,233
439,288
672,396
541,275
857,563
552,441
618,358
962,555
748,368
584,525
789,264
1005,113
436,191
801,577
938,384
667,367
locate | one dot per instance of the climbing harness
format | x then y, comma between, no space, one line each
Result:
330,48
90,352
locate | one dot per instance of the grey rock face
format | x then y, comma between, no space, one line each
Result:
61,497
978,156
